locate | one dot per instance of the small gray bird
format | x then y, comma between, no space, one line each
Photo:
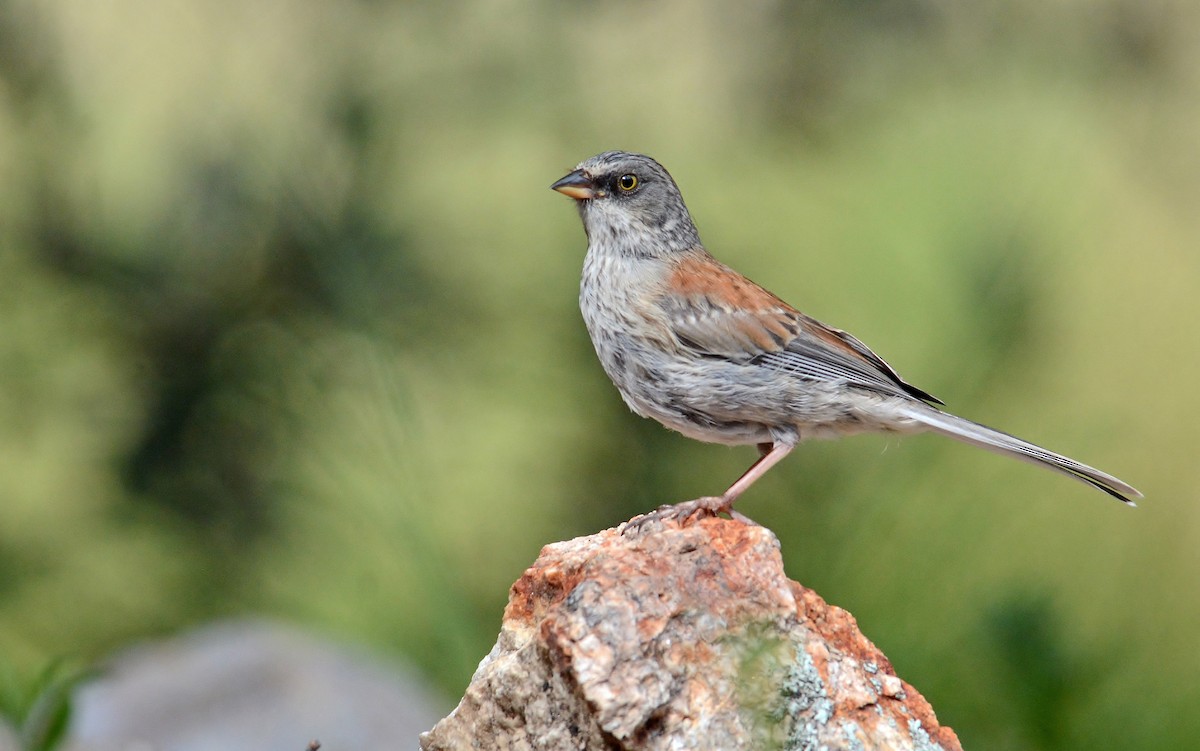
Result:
705,351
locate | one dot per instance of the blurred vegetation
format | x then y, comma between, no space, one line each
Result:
289,321
36,710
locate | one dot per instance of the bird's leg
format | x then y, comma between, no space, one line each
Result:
763,450
769,455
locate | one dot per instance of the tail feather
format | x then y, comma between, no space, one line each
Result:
1009,445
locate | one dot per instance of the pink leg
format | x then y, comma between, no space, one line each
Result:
713,505
757,470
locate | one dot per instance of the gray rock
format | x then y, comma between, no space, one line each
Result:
676,638
249,685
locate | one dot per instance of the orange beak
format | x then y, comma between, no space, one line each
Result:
577,185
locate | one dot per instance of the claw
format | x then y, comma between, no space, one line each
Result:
738,516
683,513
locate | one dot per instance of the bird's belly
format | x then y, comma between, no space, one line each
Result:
694,403
718,401
711,398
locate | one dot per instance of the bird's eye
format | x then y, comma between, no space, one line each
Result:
627,182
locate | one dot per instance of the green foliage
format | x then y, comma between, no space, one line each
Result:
1045,677
38,709
289,320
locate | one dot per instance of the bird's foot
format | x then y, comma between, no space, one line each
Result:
683,513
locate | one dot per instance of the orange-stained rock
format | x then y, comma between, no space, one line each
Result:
681,638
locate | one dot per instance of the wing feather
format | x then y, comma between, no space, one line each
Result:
717,312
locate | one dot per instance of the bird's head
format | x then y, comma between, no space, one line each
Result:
631,201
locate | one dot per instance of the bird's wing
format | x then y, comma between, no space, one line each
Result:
717,312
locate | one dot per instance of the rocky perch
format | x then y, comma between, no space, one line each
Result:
681,638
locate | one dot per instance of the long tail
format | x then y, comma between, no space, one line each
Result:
1003,443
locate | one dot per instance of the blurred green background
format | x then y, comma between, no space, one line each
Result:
288,322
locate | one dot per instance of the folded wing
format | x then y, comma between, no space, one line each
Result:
717,312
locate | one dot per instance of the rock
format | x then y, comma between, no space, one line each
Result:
681,638
248,685
8,739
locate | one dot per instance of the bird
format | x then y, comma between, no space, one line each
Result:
706,352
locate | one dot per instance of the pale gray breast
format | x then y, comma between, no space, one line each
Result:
628,330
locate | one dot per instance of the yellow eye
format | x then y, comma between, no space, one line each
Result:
627,182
